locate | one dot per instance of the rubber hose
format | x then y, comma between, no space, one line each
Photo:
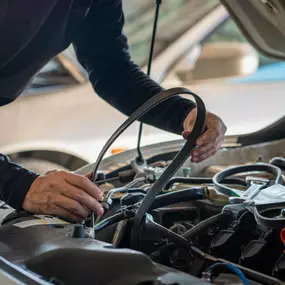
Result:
110,221
178,196
199,228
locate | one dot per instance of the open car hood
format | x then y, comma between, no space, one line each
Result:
262,22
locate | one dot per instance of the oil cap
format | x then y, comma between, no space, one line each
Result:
78,231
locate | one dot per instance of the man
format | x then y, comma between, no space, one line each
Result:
31,33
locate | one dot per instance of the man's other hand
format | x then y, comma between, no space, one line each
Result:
63,194
211,140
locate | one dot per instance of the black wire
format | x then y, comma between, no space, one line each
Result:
140,155
158,2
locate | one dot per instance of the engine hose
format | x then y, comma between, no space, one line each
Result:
203,180
178,196
228,191
189,146
113,220
159,201
206,224
278,161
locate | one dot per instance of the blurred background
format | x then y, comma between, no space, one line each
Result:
198,46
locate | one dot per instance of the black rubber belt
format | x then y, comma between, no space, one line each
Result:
258,210
202,180
177,162
274,223
219,177
174,166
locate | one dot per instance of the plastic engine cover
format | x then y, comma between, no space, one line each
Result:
47,248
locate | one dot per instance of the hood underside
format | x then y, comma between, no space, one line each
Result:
262,22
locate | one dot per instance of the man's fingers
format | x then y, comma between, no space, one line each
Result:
71,205
215,143
51,171
203,156
83,198
209,136
206,152
203,149
208,141
186,134
61,193
89,175
84,184
63,213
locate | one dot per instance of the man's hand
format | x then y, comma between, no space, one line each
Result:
63,194
211,140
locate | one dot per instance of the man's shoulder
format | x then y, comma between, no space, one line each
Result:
31,32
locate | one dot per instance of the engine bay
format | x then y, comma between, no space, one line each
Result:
232,216
164,223
192,233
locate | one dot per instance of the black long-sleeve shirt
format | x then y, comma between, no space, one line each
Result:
32,32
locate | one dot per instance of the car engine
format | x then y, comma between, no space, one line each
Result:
192,234
161,226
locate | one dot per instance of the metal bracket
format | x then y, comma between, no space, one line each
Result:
256,185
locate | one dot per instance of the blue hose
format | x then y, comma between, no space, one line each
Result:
231,267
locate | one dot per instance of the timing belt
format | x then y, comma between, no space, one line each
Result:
177,162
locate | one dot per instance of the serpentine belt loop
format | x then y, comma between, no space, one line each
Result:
176,163
181,157
150,104
219,177
275,223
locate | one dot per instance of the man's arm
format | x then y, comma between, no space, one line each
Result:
15,182
103,50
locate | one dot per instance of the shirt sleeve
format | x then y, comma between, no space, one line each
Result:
15,182
102,49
